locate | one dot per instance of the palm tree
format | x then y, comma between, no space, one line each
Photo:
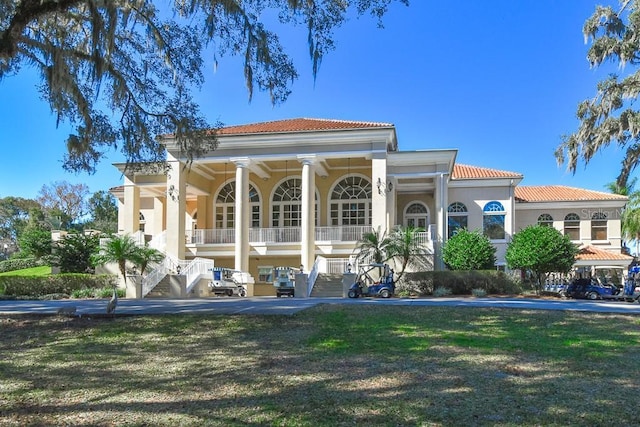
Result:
630,227
373,246
405,246
146,255
119,249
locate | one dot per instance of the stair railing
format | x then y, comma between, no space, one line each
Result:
155,276
195,269
313,274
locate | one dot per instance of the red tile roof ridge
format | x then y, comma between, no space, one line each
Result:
299,125
557,193
591,253
464,171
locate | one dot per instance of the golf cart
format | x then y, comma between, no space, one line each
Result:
284,281
228,282
367,286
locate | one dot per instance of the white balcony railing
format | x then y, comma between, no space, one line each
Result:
352,233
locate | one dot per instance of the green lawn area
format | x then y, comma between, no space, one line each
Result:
331,365
43,270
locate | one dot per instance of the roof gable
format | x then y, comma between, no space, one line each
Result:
592,253
560,193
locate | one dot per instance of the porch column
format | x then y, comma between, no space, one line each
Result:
241,220
131,220
379,213
176,206
308,214
441,194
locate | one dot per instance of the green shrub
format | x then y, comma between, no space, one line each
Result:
460,282
478,293
96,293
66,284
441,291
20,264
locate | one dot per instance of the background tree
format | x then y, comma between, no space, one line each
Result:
469,250
103,209
610,117
630,220
541,250
123,73
35,242
74,252
404,245
64,201
14,217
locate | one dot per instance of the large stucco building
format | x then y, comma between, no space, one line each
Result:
301,192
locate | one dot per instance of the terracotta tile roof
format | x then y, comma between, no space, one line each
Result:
592,253
475,172
560,193
299,125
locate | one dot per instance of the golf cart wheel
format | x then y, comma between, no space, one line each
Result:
243,293
385,293
229,293
352,294
592,295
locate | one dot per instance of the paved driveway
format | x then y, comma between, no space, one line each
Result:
288,306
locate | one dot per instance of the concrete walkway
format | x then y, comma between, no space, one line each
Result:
288,306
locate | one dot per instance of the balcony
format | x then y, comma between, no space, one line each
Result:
286,235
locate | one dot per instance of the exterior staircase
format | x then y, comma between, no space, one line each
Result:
161,290
327,285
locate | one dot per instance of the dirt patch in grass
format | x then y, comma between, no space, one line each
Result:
330,365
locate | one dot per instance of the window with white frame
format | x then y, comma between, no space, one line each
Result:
545,220
265,274
599,226
457,218
286,205
351,202
226,205
142,222
493,220
572,226
416,215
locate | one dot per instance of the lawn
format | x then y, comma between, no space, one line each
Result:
43,270
327,366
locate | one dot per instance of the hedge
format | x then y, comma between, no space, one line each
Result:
459,282
65,284
20,264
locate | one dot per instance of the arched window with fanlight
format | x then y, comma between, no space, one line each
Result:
599,226
350,202
416,215
545,220
457,218
286,204
141,222
572,226
226,205
493,218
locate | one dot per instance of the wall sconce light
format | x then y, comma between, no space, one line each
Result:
384,188
178,269
301,268
349,268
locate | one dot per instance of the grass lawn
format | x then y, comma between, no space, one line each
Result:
327,366
43,270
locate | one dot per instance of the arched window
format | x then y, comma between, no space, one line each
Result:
457,215
572,226
226,204
493,220
545,220
286,204
599,226
416,215
350,202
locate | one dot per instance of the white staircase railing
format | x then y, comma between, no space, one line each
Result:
155,276
195,270
313,274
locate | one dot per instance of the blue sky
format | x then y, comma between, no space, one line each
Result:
498,80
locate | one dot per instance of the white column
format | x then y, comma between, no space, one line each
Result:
241,212
441,196
131,219
308,214
176,206
379,214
